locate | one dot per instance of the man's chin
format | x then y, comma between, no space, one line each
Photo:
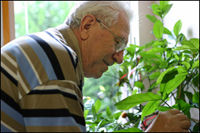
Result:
96,76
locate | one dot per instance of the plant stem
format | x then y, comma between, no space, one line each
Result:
173,95
167,104
179,91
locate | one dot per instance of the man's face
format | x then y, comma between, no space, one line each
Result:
98,50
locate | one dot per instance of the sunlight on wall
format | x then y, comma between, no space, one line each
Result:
188,13
134,31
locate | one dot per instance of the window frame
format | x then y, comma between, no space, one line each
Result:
7,22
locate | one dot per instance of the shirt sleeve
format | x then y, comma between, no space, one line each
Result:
41,86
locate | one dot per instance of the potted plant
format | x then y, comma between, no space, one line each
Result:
170,63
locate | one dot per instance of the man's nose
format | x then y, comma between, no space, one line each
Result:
118,57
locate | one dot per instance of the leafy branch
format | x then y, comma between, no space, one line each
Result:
175,67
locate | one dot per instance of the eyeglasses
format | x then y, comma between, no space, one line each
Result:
120,44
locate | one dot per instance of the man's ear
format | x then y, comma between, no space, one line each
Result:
86,24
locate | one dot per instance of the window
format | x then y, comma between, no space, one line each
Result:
35,16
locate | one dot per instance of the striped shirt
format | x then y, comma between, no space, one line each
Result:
41,83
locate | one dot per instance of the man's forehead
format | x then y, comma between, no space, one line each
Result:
122,27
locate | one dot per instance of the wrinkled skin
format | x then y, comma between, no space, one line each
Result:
170,121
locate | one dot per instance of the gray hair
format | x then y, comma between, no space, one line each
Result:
105,11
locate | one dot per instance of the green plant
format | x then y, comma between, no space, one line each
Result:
107,121
170,64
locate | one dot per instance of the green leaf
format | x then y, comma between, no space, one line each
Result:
148,45
97,105
156,9
163,108
131,49
86,113
140,49
195,42
181,37
158,43
166,31
176,106
153,68
154,75
195,80
155,50
166,9
134,92
98,125
163,3
176,56
184,47
129,130
177,27
162,75
163,64
174,83
108,112
136,99
196,64
181,69
139,85
186,64
196,128
150,56
152,86
118,93
185,107
117,114
188,94
93,110
149,108
158,29
167,79
151,18
195,97
190,44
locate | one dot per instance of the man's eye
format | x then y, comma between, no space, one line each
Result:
117,42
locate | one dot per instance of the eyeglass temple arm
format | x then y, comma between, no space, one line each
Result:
109,30
98,20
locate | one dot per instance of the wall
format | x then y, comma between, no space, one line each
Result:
188,13
145,26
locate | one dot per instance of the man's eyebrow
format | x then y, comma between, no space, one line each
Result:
120,37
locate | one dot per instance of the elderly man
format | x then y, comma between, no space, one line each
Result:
42,73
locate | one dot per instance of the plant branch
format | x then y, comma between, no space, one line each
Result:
179,91
167,104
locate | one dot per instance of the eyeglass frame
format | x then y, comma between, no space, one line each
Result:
118,46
